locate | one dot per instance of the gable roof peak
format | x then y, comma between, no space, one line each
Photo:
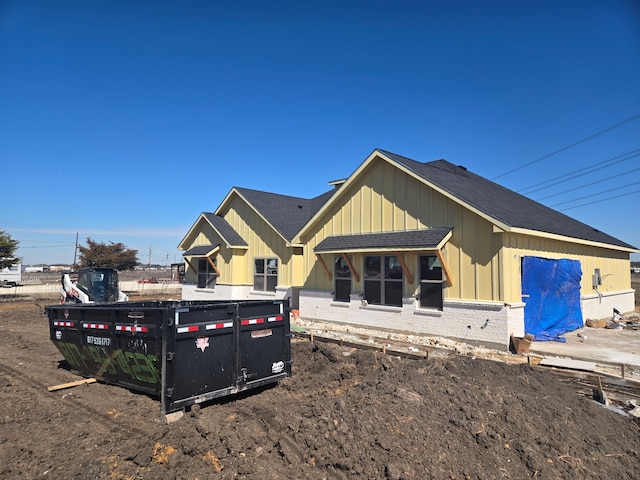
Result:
415,165
285,213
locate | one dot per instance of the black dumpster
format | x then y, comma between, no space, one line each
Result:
184,352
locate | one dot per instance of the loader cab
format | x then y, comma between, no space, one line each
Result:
101,284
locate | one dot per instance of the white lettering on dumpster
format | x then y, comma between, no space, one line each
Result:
102,341
277,367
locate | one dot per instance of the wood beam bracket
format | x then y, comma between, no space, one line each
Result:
190,265
351,267
445,268
213,265
327,272
404,267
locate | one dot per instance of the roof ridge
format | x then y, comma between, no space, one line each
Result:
240,189
517,210
451,167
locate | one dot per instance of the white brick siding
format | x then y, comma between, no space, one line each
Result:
485,323
601,306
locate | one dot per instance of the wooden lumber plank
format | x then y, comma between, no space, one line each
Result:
598,393
571,363
71,384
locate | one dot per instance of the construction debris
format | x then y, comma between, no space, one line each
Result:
77,383
635,410
617,322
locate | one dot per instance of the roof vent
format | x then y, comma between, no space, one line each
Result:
336,183
462,167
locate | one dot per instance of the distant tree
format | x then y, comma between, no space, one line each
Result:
111,255
8,248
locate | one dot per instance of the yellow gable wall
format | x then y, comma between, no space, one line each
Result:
385,199
263,241
613,265
204,234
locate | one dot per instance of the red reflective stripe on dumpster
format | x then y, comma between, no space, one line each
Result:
131,328
190,328
215,326
63,324
252,321
276,319
96,326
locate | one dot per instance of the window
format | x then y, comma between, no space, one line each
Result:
383,280
206,274
431,282
100,284
265,274
342,274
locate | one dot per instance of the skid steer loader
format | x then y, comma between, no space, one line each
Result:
91,285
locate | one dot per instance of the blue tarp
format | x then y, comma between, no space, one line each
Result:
551,290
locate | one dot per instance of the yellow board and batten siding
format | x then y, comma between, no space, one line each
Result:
386,199
263,240
206,235
612,263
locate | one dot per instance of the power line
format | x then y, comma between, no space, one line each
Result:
567,147
595,194
48,246
600,180
45,241
579,173
598,95
600,201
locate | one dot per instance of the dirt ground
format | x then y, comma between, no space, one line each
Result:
345,413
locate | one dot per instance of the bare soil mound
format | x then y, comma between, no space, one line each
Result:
345,413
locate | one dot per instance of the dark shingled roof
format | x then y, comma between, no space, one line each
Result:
286,214
500,203
425,239
227,232
199,251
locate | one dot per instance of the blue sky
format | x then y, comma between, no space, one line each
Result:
124,120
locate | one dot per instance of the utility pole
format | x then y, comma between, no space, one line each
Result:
75,251
149,257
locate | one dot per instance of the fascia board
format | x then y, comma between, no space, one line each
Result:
338,251
439,246
200,218
444,241
214,250
364,165
228,199
339,194
563,238
193,227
